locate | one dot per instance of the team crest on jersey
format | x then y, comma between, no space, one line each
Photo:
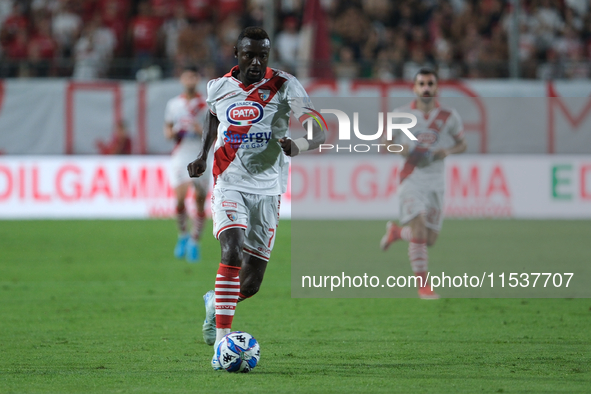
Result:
244,113
264,94
232,215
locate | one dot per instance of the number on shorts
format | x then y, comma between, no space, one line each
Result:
272,230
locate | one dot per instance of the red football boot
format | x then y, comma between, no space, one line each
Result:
392,235
425,293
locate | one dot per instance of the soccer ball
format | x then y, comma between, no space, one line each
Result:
238,352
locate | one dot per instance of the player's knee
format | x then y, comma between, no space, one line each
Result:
180,205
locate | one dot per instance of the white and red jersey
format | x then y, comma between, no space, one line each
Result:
438,129
253,118
183,114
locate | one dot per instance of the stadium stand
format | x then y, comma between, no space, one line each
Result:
375,39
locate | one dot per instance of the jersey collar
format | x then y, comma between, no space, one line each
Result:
235,70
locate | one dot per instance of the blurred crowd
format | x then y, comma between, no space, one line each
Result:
378,39
461,38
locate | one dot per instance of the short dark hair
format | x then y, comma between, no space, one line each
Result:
254,33
426,71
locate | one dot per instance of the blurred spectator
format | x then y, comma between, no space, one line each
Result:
198,10
224,8
383,68
14,22
87,56
581,7
552,68
163,9
352,29
105,42
573,20
490,15
143,33
378,10
192,46
255,15
418,60
171,30
461,21
41,49
94,50
446,69
17,51
229,29
527,43
66,27
227,33
347,67
120,143
45,6
419,40
113,18
375,42
287,43
470,47
568,45
547,22
122,7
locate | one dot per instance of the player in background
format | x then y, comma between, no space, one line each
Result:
248,120
439,133
183,117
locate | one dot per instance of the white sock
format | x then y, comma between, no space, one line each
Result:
219,334
419,257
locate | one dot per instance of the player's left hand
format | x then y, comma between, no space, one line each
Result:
289,148
440,154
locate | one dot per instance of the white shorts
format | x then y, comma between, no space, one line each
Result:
257,214
178,173
415,200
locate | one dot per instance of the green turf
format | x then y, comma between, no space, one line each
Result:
101,306
474,248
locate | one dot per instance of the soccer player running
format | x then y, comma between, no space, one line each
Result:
183,117
422,177
248,120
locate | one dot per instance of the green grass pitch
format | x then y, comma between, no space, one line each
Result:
103,307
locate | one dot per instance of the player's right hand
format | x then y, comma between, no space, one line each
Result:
197,167
289,147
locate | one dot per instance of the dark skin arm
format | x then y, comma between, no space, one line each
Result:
291,149
210,129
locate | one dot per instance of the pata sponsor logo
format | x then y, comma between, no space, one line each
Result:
244,113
